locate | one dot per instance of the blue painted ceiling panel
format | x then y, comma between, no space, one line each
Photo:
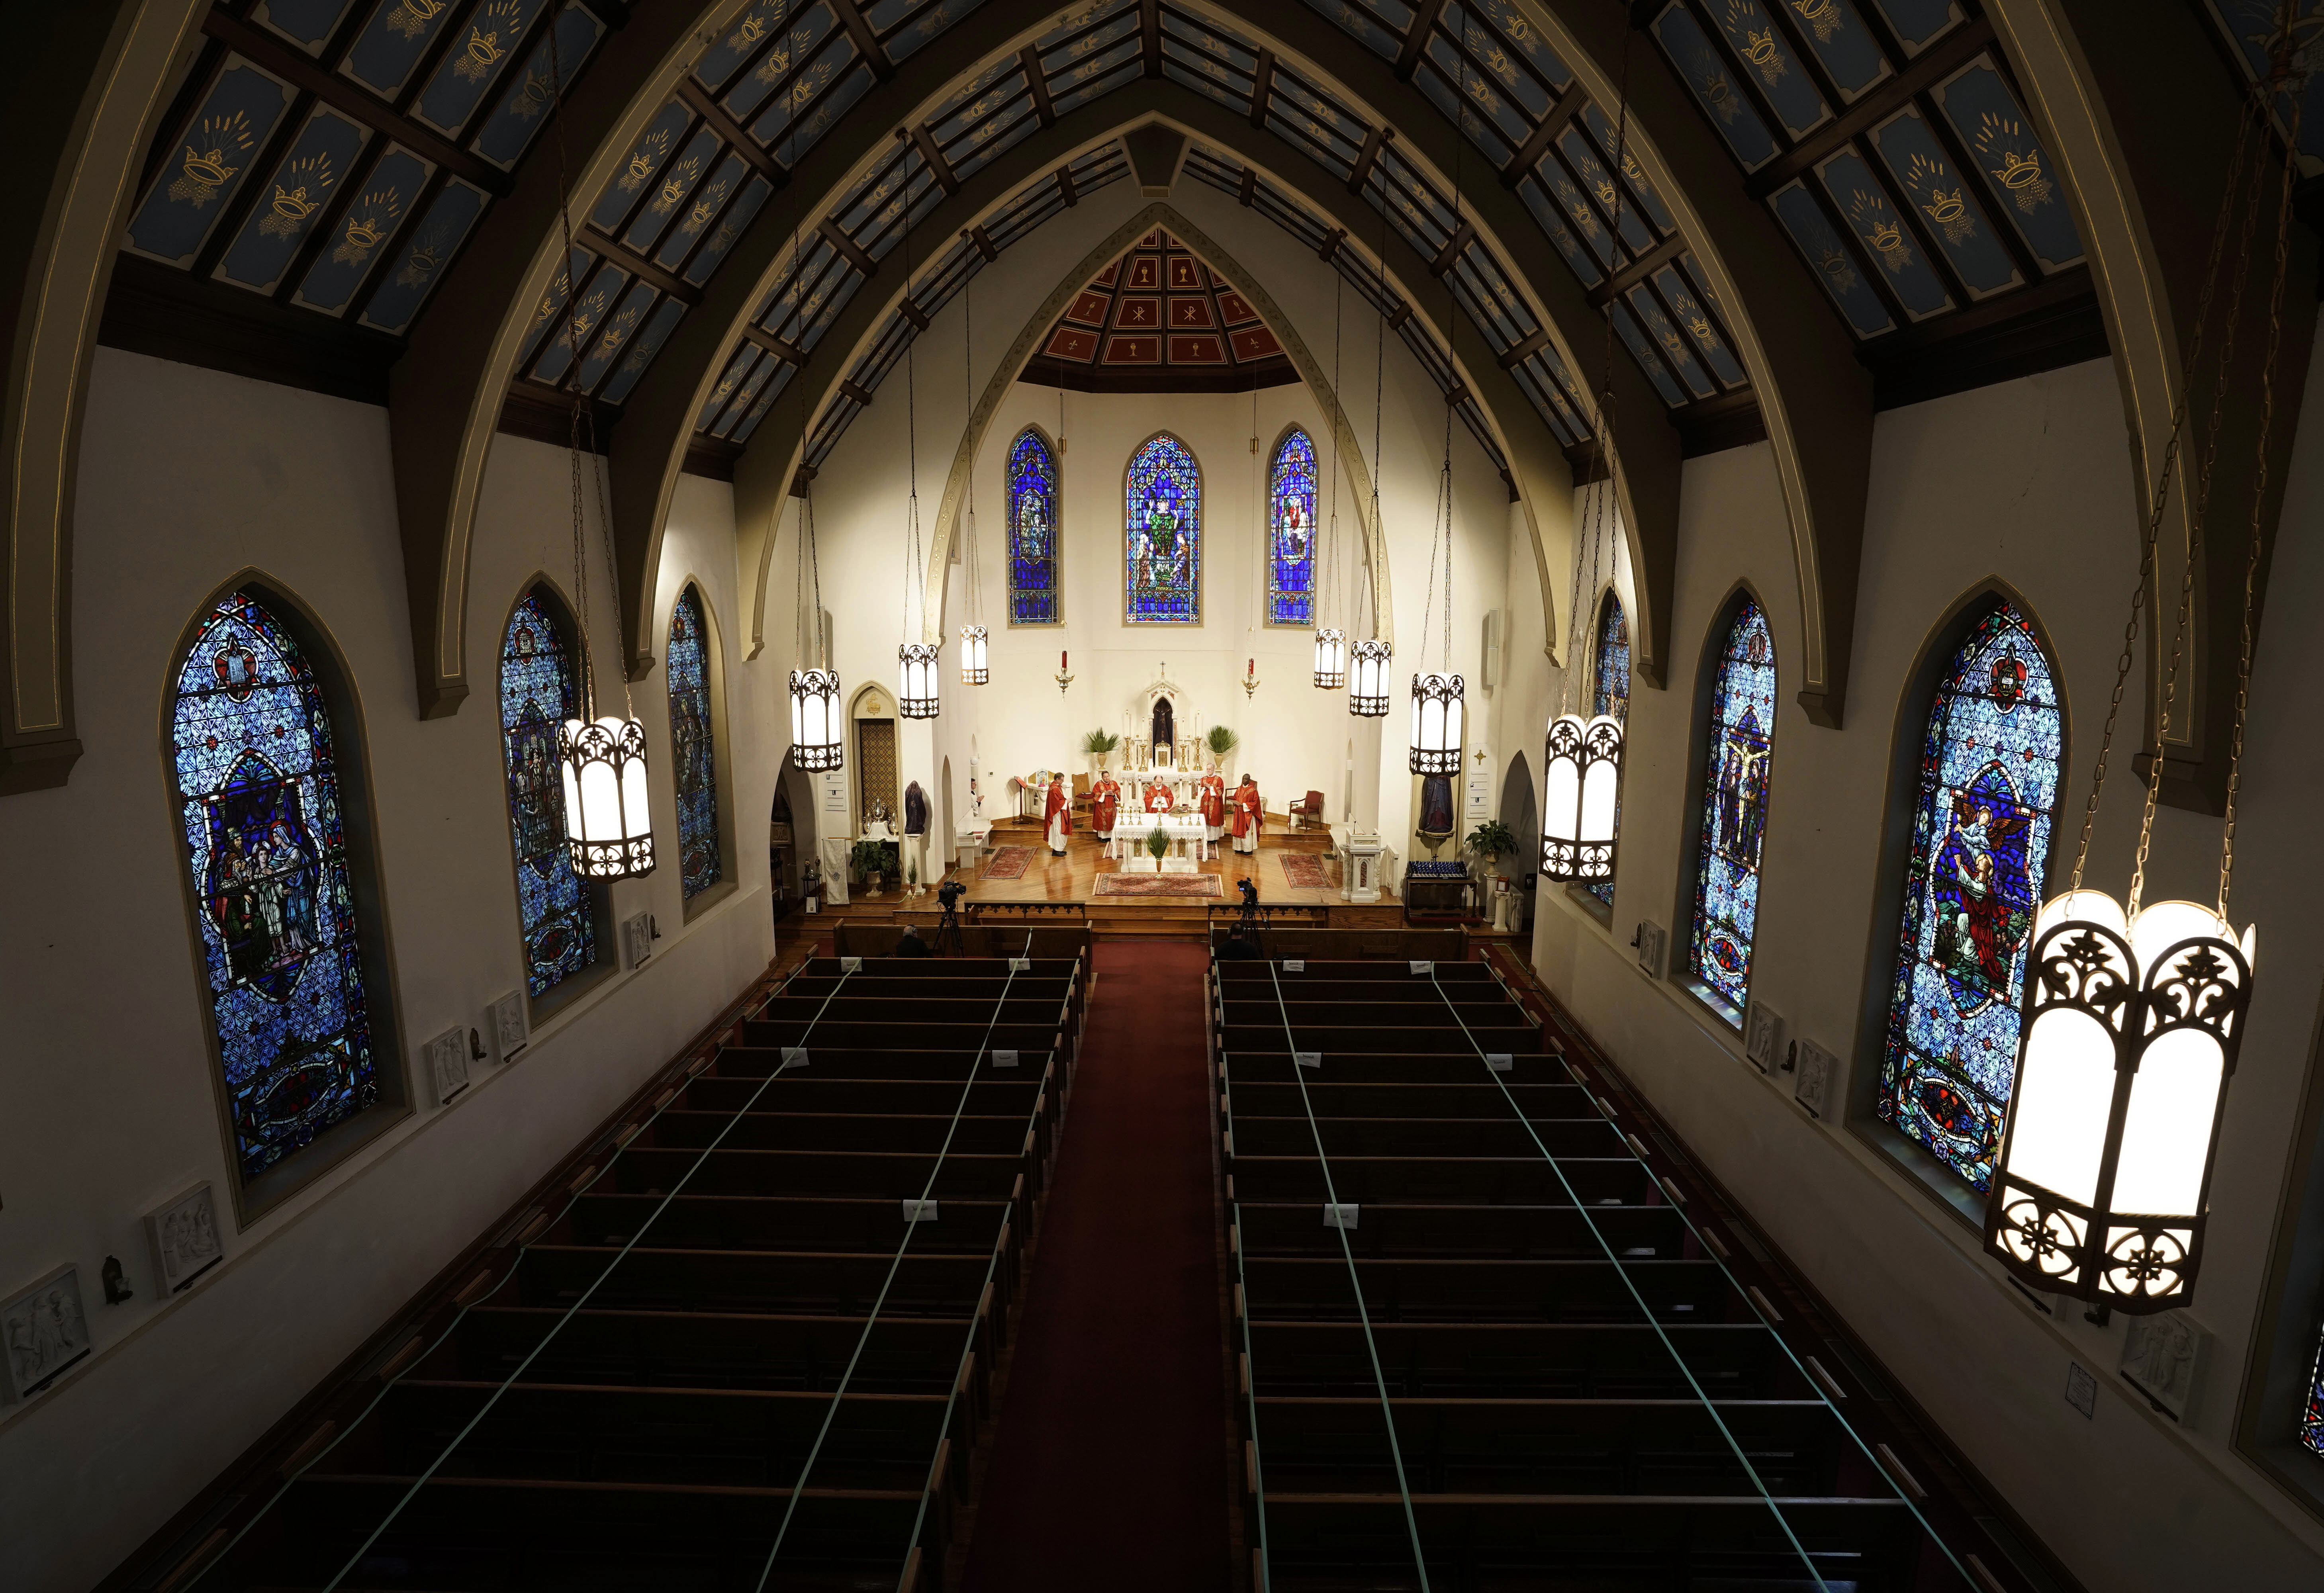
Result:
393,42
307,23
199,182
487,43
1947,205
524,110
1871,212
420,265
306,179
2017,168
388,196
1830,259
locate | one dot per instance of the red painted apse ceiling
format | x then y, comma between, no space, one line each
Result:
1159,320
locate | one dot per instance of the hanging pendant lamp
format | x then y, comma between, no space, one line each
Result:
1369,658
1367,676
818,727
1331,658
601,760
1440,696
917,663
2134,1017
975,655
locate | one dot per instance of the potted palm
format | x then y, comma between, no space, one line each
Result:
1157,846
874,861
1221,742
1100,745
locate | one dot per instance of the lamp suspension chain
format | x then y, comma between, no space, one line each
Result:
1439,705
1369,659
818,739
1331,641
918,662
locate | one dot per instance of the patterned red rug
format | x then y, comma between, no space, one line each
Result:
1303,870
1009,863
1184,885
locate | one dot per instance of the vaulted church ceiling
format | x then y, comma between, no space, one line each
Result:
1157,319
2254,33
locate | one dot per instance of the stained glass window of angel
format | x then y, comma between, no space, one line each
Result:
1032,531
1162,556
1734,812
264,819
1291,532
693,749
1610,695
540,688
1982,820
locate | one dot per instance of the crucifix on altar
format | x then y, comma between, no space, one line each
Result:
1162,731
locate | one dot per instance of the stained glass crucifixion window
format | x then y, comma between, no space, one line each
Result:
1734,812
1610,695
1162,556
1291,531
1983,813
1032,531
263,819
540,688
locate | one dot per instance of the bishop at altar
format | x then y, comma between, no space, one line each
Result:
1105,802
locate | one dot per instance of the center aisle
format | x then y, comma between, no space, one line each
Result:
1109,1467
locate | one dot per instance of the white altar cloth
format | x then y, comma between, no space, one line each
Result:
1187,831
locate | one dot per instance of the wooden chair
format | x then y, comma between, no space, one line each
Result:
1308,810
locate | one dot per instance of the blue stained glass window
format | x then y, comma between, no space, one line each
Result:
1162,555
1982,822
1734,812
1032,531
2312,1421
1291,532
693,754
1610,695
264,819
540,688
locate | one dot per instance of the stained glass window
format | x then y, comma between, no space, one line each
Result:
1162,558
1291,532
264,822
2312,1421
1032,531
1734,812
1610,694
692,750
540,688
1982,817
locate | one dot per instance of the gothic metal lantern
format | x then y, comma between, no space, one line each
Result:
2131,1035
1331,658
975,655
1438,706
1368,663
917,663
608,817
1584,779
816,741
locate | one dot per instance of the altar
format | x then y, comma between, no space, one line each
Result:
1163,732
1187,831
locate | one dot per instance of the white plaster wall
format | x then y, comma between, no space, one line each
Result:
187,477
2025,481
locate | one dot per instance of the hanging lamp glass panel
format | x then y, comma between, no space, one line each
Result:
975,655
608,815
917,665
1368,663
816,741
1439,705
2131,1032
1584,785
1331,658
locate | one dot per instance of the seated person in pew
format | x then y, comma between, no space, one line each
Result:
910,944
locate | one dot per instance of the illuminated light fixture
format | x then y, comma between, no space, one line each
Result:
2134,1017
1438,709
1331,658
608,813
1249,678
1367,662
1583,783
816,743
1065,675
601,760
918,664
2131,1035
975,655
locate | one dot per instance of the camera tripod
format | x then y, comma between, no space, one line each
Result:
948,937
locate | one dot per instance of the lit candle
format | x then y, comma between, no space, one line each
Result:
1061,658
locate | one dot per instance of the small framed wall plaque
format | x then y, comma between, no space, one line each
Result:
43,1333
184,1232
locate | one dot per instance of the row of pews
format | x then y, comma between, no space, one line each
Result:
751,1342
1480,1342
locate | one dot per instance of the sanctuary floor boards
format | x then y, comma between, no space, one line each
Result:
1073,877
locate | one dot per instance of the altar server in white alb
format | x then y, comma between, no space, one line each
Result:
1060,813
1249,815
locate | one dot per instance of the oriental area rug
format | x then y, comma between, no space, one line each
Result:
1009,863
1303,870
1170,885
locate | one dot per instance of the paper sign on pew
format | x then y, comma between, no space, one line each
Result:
1004,1059
1308,1058
919,1210
1501,1062
793,1057
1343,1215
1294,965
851,965
1428,968
1020,965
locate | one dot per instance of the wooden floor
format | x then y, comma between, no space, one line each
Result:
1073,877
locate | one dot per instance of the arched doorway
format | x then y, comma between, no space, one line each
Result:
791,837
1521,812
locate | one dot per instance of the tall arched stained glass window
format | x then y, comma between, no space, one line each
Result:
263,817
1162,556
1982,817
1291,532
1734,813
692,748
540,688
1610,695
1032,530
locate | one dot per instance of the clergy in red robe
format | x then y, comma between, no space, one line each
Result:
1214,806
1157,797
1059,814
1250,816
1105,802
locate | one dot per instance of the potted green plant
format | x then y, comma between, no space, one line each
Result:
874,860
1221,742
1100,745
1489,840
1158,843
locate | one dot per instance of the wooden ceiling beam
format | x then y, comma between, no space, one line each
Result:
1450,255
983,242
1638,271
1416,38
698,100
849,249
1931,67
1263,89
1149,35
1369,157
640,267
782,348
867,44
1536,144
938,164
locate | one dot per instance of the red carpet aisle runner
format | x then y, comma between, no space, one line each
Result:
1109,1468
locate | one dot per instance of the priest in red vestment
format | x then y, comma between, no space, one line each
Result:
1059,814
1157,797
1250,816
1105,802
1214,806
